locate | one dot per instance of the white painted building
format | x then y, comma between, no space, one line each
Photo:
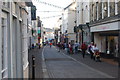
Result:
13,40
68,22
83,18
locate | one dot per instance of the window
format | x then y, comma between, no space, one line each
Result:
105,4
100,10
118,7
14,7
4,48
20,12
112,8
6,4
93,12
97,10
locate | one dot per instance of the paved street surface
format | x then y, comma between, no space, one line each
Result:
62,65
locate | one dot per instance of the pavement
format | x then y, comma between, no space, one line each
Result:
37,53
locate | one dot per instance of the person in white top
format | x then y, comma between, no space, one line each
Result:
96,54
90,47
95,48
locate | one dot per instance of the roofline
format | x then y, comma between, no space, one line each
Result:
69,5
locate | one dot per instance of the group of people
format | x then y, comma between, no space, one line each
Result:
70,48
76,47
93,50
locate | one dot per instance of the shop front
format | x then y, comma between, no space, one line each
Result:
106,38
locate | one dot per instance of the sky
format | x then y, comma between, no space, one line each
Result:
49,19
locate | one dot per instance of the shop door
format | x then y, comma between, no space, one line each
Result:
112,46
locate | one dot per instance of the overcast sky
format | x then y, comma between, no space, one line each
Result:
41,7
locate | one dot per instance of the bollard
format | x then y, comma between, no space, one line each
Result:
33,67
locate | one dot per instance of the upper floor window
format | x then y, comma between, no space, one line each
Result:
6,4
105,9
118,7
20,12
14,7
112,8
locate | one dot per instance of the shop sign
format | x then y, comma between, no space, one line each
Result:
105,27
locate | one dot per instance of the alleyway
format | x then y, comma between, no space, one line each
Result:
61,65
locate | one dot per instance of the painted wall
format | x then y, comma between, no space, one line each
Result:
24,41
0,42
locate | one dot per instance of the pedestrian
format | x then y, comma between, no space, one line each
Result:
84,48
96,53
50,45
65,46
59,46
69,48
33,46
90,49
39,45
76,45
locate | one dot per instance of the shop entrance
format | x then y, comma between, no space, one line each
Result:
112,45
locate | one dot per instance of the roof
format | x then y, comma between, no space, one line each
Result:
69,5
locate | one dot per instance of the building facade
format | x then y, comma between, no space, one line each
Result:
13,40
82,28
104,23
67,28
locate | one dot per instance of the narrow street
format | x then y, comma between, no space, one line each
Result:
59,65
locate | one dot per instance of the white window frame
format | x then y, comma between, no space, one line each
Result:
116,7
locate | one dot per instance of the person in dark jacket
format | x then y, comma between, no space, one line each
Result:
59,46
84,48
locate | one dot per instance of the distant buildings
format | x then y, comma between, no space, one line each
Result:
48,34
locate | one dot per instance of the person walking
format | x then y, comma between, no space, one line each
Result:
90,49
59,46
50,45
96,53
76,47
39,45
84,48
70,48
